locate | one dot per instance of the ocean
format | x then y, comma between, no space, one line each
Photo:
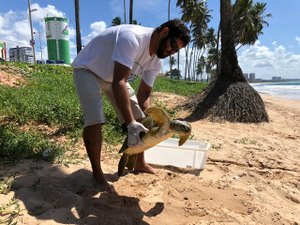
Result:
290,90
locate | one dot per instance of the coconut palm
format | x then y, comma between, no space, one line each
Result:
229,97
124,7
130,11
172,62
116,21
248,21
196,15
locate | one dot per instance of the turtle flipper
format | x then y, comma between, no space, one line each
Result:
183,139
131,161
159,116
122,163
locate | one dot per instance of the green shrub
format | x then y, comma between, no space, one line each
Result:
15,144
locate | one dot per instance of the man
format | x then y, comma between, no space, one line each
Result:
104,66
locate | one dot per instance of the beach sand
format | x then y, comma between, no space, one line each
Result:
251,176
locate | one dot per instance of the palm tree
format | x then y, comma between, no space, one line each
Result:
196,15
116,21
169,9
172,62
209,63
124,6
130,11
229,97
78,33
248,21
169,17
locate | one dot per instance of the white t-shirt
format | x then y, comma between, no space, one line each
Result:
126,44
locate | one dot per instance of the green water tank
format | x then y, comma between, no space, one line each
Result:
57,34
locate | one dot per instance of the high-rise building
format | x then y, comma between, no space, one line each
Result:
57,34
21,54
252,77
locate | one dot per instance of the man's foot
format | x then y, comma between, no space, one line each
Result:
102,185
144,168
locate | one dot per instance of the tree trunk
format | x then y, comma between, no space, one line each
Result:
130,11
229,64
78,33
229,97
178,58
124,8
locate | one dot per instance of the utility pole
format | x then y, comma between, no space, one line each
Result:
32,42
41,49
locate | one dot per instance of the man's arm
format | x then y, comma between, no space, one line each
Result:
144,95
121,74
121,95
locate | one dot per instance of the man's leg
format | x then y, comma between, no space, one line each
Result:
92,136
142,166
88,90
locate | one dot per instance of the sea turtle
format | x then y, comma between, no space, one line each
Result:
161,127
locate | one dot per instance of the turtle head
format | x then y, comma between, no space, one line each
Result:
182,128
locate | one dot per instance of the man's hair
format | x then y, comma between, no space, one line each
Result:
177,29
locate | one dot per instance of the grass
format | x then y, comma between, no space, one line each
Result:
178,87
9,212
246,141
16,144
48,98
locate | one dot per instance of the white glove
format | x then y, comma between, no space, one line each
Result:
134,130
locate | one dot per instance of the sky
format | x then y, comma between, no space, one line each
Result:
276,52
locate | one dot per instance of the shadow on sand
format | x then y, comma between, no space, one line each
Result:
49,192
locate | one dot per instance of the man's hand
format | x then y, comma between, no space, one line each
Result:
134,130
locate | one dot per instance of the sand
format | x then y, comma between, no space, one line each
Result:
251,176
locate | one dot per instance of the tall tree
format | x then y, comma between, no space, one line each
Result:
116,21
78,32
169,9
196,15
172,62
248,21
124,7
169,17
229,97
131,11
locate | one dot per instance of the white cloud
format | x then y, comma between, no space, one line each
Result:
298,40
96,28
266,62
15,28
48,11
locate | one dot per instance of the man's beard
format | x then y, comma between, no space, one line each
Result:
161,48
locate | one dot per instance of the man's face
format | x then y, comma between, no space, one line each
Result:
168,46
